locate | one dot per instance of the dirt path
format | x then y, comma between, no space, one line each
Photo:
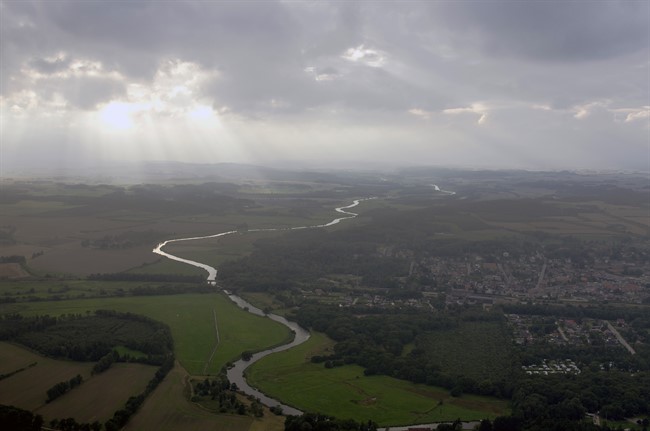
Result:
216,328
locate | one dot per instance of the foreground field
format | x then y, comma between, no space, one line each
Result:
347,393
27,389
96,399
191,318
99,397
168,409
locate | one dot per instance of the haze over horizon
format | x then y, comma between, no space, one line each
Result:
501,84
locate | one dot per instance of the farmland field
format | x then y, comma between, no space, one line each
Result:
101,395
347,393
27,389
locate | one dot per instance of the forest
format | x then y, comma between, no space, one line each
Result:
89,338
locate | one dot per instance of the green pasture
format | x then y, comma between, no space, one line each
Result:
123,350
192,322
346,393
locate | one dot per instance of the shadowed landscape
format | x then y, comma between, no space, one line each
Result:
429,306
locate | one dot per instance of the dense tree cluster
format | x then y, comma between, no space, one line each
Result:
71,424
19,370
62,387
614,394
220,390
13,259
303,256
15,419
88,338
105,362
377,341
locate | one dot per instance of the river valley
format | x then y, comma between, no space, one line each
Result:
236,373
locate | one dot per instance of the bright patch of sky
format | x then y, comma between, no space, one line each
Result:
496,84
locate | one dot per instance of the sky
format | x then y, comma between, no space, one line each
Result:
497,84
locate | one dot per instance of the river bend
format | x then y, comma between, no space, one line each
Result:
236,373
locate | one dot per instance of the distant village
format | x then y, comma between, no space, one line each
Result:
537,278
436,283
476,280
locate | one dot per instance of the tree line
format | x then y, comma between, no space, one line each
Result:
62,387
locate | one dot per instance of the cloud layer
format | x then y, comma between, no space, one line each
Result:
504,84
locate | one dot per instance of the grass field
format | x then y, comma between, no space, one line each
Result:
346,393
27,389
168,409
191,320
100,396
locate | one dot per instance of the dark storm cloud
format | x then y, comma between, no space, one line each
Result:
549,30
49,66
132,36
88,92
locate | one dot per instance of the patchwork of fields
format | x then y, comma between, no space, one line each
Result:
58,230
94,400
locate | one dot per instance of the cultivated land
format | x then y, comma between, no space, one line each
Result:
347,393
27,389
101,395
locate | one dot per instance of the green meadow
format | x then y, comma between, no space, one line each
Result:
346,393
191,318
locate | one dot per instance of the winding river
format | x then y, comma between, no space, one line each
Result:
236,373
